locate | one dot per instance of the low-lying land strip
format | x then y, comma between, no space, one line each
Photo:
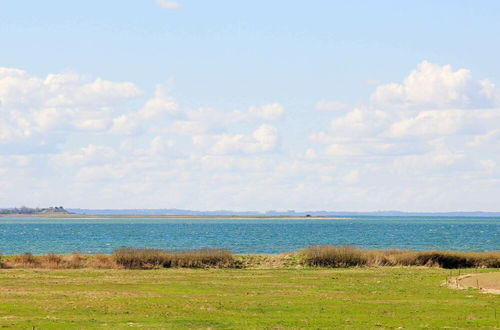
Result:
61,215
313,256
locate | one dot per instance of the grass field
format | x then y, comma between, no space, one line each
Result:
384,297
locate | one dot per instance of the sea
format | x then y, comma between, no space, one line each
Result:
103,235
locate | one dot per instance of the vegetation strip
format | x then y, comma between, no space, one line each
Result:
313,256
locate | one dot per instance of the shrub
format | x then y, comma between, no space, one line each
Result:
140,258
334,256
101,261
73,261
154,258
26,260
202,258
316,256
49,261
345,256
446,259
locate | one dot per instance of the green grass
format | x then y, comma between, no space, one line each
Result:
359,298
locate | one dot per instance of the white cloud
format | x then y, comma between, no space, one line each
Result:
125,125
168,4
76,141
88,155
413,139
351,177
33,107
273,111
204,120
434,86
160,106
435,160
489,138
432,122
360,122
402,119
159,145
263,139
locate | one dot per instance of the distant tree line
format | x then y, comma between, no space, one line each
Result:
29,210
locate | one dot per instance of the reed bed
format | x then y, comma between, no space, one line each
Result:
334,256
154,258
313,256
348,256
54,261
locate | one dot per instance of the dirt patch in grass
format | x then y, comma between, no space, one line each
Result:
486,282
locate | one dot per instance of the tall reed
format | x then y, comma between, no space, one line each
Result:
334,256
154,258
313,256
346,256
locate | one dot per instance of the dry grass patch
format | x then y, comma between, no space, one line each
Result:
348,256
153,258
54,261
25,260
313,256
269,261
101,261
334,256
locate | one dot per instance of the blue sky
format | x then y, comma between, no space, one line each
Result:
360,105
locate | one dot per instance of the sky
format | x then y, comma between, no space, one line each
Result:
250,105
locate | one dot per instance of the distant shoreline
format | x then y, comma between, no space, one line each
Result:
166,216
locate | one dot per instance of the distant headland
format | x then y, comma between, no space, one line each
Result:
23,210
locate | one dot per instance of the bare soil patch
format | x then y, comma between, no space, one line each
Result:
486,282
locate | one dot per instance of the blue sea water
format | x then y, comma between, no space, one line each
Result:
44,235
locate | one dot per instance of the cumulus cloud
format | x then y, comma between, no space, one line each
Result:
433,86
433,122
33,107
88,155
160,145
432,102
160,106
263,139
273,111
427,141
438,126
351,177
125,125
204,120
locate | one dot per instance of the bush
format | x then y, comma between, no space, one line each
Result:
26,260
346,256
316,256
334,256
73,261
154,258
49,261
101,261
447,259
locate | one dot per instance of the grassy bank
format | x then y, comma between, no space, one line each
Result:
313,256
358,298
